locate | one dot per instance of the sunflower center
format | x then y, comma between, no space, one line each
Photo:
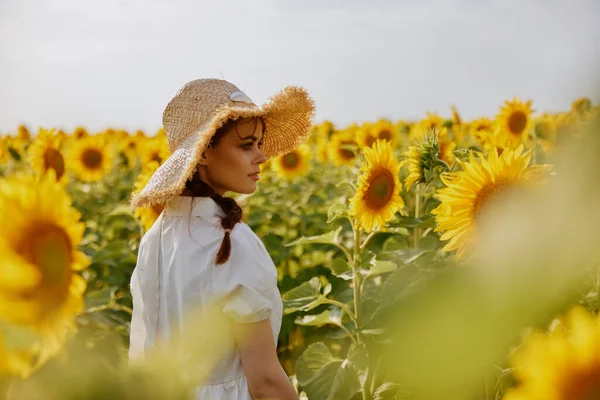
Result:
156,157
92,158
370,141
131,145
380,191
488,193
346,154
290,160
47,246
516,122
53,159
585,386
385,134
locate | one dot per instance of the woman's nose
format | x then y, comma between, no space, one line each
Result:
261,157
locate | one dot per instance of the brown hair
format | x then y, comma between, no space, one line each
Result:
233,212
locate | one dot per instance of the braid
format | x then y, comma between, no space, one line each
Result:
233,213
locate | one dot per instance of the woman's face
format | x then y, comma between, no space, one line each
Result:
233,164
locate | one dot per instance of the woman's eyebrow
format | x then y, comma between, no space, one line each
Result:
253,138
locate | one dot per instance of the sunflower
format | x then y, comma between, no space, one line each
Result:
23,134
322,150
377,198
293,164
561,364
39,286
422,159
147,215
385,130
470,191
3,149
446,147
514,122
343,148
481,129
80,132
90,158
423,127
582,107
16,356
456,120
130,146
365,137
45,154
545,131
155,149
403,127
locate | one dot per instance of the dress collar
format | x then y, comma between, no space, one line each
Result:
200,207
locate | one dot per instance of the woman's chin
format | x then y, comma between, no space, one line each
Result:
249,189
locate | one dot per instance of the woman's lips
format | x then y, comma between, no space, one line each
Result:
254,177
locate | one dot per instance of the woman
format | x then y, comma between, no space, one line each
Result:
199,252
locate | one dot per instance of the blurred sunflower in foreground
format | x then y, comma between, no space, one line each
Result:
90,158
39,285
481,181
377,198
147,215
294,164
45,154
562,364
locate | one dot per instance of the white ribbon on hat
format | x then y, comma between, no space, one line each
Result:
240,97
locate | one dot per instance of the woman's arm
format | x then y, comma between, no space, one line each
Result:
266,378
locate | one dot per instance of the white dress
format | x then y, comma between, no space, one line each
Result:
176,272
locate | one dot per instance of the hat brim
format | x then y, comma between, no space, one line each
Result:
287,117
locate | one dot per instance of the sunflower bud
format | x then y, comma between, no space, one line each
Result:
423,160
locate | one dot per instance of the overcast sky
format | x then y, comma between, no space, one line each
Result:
117,63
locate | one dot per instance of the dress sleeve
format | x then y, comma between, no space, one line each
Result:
246,282
245,303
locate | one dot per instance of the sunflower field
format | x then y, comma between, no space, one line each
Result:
430,259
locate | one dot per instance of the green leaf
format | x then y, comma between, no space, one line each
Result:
323,376
14,153
399,230
393,244
429,243
412,222
337,210
340,268
387,391
382,267
331,237
359,357
120,210
430,204
100,297
327,317
305,297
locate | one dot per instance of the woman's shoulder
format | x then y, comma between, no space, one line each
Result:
248,245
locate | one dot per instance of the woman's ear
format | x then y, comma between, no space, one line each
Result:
203,160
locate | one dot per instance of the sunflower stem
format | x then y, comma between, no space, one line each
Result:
417,231
357,282
367,239
344,308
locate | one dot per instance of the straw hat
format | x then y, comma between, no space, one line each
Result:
201,107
